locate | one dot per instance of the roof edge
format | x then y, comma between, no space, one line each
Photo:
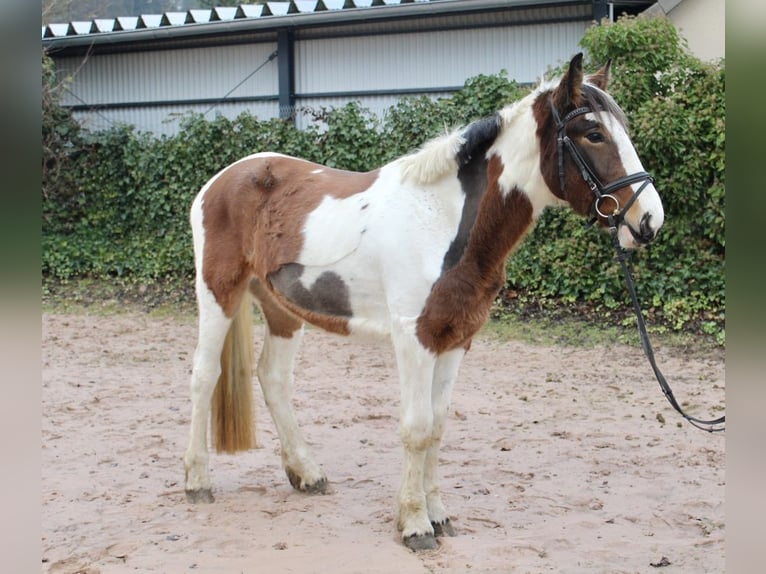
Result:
166,26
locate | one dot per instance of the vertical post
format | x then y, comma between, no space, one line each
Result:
286,66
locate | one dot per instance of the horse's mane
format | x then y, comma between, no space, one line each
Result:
435,158
448,152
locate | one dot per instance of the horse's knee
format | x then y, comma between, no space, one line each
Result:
416,430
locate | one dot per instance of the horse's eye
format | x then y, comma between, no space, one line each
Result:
595,137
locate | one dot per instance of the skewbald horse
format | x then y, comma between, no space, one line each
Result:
413,252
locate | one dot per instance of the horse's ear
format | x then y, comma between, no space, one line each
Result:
601,78
569,89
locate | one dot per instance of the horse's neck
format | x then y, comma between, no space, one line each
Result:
514,191
511,194
503,219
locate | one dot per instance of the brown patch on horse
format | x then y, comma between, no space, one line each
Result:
330,323
460,300
285,318
281,322
254,213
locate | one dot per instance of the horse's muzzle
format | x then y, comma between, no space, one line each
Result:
646,233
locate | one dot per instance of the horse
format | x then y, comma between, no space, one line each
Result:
413,252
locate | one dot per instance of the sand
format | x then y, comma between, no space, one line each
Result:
555,459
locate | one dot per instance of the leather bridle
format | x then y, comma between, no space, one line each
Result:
601,192
614,218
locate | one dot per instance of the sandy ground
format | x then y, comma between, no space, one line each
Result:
555,459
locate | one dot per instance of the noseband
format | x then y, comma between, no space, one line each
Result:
602,192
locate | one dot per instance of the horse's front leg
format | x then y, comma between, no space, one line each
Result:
416,368
445,373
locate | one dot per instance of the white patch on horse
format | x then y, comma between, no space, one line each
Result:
388,254
337,241
369,330
515,148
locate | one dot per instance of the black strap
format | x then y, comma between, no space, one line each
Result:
626,181
562,138
622,257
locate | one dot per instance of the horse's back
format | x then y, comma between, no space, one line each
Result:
272,173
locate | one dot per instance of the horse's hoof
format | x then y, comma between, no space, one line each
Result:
318,487
200,495
440,529
418,542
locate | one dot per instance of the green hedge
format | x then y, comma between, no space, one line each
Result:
116,204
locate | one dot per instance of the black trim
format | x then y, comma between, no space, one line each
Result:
161,103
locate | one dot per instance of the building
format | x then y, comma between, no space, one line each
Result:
701,22
276,58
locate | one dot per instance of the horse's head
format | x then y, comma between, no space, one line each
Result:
588,160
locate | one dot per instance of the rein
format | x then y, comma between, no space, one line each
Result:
623,256
603,192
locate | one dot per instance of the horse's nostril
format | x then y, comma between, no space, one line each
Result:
645,228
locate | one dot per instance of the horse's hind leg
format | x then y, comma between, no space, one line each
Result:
284,333
213,326
445,373
275,372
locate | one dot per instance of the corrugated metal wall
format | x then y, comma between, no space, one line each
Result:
428,60
149,89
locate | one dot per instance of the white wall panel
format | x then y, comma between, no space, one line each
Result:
155,76
432,59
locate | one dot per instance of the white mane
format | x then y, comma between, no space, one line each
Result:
435,158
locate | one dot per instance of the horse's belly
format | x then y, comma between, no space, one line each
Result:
348,290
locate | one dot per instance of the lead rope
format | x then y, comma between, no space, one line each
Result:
623,256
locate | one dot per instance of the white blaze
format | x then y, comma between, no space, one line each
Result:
649,201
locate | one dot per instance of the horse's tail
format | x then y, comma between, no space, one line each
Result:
233,421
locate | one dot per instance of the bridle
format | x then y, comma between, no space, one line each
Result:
602,192
614,218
